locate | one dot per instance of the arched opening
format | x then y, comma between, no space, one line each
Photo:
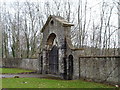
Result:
70,67
41,64
50,39
65,68
52,22
52,54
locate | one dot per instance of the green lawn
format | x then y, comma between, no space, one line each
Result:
48,83
13,70
44,83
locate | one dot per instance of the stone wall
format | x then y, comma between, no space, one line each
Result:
0,62
31,64
100,69
11,62
0,45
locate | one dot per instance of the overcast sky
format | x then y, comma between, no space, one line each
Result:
94,4
90,2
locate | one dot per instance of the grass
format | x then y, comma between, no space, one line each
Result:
48,83
13,70
44,83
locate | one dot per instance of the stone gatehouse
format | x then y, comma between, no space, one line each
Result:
58,56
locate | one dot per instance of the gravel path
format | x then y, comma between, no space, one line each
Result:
29,76
21,75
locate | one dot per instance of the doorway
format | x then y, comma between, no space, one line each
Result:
53,60
70,67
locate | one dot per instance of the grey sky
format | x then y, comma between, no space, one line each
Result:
95,6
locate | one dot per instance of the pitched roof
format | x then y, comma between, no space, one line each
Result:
64,22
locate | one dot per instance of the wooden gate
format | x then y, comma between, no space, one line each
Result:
53,60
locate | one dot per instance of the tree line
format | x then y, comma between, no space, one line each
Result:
95,29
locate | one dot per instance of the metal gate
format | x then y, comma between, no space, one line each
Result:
70,67
53,60
65,69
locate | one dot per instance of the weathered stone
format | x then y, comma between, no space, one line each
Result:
100,69
56,32
66,61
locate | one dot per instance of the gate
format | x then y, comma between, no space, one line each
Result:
41,64
53,60
70,67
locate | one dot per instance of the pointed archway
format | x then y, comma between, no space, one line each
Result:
52,54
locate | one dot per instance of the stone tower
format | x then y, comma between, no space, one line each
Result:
57,55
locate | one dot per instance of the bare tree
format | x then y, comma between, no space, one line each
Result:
21,26
119,27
